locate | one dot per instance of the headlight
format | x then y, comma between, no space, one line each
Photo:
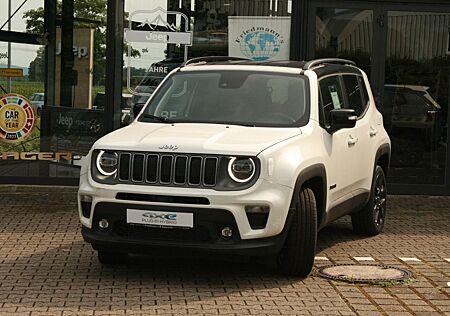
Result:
107,163
241,169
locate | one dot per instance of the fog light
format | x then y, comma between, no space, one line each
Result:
227,232
103,224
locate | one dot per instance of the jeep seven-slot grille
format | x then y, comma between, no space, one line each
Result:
168,169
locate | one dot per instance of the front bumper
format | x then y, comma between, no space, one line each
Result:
276,197
204,236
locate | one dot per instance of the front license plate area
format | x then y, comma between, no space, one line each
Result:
160,218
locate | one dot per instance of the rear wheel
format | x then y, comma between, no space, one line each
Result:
107,257
297,256
370,220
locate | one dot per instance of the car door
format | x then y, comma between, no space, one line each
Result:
363,134
340,146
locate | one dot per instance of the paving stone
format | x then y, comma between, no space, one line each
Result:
47,269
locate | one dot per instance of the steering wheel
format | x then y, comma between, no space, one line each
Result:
284,117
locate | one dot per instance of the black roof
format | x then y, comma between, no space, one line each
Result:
333,65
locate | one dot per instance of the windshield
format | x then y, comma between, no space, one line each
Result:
232,97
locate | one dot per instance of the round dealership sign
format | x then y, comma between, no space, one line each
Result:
16,118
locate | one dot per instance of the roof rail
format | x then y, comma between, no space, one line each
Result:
210,59
317,62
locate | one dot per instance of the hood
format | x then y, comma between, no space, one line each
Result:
195,138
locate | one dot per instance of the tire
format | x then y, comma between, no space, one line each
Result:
370,220
297,256
106,257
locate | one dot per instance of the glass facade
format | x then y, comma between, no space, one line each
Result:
406,56
55,71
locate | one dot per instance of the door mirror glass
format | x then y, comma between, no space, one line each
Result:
341,118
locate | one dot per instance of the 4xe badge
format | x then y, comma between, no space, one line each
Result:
16,118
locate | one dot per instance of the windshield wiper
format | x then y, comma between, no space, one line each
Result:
157,118
232,123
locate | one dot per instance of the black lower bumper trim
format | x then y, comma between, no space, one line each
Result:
254,247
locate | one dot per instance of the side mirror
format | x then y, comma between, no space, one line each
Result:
137,108
342,118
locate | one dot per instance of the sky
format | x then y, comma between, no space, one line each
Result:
23,54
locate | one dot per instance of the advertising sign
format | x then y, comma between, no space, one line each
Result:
73,130
16,118
149,27
83,43
178,38
259,38
11,72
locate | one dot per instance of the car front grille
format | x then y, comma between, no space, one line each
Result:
167,169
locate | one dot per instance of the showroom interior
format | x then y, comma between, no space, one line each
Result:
77,59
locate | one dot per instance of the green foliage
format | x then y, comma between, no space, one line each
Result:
36,70
90,14
23,87
30,144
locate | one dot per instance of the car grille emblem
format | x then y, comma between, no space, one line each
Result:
169,147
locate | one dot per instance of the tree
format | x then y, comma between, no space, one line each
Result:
36,68
87,14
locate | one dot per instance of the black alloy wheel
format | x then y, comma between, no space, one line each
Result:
371,219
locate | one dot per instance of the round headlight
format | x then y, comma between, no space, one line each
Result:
107,163
241,169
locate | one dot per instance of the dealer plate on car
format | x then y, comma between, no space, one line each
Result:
158,218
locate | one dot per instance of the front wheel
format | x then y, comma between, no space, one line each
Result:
370,220
297,256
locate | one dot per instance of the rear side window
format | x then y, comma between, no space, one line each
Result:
331,97
365,93
353,91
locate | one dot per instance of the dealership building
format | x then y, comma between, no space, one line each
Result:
76,73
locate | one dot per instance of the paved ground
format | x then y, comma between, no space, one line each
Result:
46,268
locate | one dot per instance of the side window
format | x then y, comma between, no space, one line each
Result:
365,93
354,96
331,97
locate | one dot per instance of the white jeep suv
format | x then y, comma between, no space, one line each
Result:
242,157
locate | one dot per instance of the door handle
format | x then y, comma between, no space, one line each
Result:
373,132
352,140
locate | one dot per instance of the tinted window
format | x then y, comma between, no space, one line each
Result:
239,97
353,91
331,96
365,93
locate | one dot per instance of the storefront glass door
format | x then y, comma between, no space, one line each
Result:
415,96
407,57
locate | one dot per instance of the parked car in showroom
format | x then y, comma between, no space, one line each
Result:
240,157
126,116
414,121
37,102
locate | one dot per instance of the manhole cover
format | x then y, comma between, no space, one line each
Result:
364,273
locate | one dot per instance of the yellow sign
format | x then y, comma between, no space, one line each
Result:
16,118
11,72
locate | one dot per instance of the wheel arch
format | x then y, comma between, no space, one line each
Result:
383,157
315,178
